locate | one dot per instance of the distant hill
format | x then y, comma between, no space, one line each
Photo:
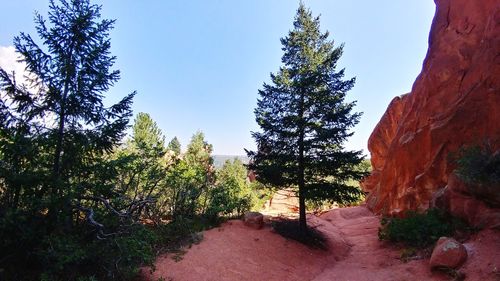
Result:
220,159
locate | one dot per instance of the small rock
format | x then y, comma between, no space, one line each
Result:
448,253
253,220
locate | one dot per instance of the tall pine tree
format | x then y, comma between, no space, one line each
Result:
305,120
62,107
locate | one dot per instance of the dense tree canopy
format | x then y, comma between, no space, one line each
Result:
305,120
59,197
60,111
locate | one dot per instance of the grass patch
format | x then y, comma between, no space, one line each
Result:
289,229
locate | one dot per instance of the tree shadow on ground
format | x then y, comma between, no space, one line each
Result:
289,228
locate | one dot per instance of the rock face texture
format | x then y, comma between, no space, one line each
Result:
448,253
456,198
455,101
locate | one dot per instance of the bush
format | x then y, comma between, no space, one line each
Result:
227,204
71,257
232,195
28,251
19,234
479,168
478,165
418,229
182,232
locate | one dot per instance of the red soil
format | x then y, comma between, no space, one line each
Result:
236,252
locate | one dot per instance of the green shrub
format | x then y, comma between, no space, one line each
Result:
74,256
479,167
224,202
28,251
182,232
418,229
232,194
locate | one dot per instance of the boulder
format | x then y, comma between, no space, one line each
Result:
453,102
254,220
448,253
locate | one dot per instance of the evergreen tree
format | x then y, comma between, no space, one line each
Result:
199,152
175,146
142,167
305,120
62,108
191,178
61,212
147,136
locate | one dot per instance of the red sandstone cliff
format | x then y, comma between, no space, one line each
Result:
454,101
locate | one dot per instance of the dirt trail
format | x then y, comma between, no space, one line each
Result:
368,258
235,252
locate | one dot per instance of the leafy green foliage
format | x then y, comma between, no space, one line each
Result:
305,120
147,137
418,229
232,194
60,115
260,194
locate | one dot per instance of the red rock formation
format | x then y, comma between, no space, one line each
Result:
455,101
456,198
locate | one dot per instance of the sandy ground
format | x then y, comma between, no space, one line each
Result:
236,252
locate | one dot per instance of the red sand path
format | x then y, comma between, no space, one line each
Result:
235,252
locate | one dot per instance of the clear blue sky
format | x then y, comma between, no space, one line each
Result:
197,65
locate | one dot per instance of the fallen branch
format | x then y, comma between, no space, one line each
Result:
131,209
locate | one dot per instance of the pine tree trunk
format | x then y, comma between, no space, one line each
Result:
301,182
302,199
56,168
57,190
302,211
56,204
